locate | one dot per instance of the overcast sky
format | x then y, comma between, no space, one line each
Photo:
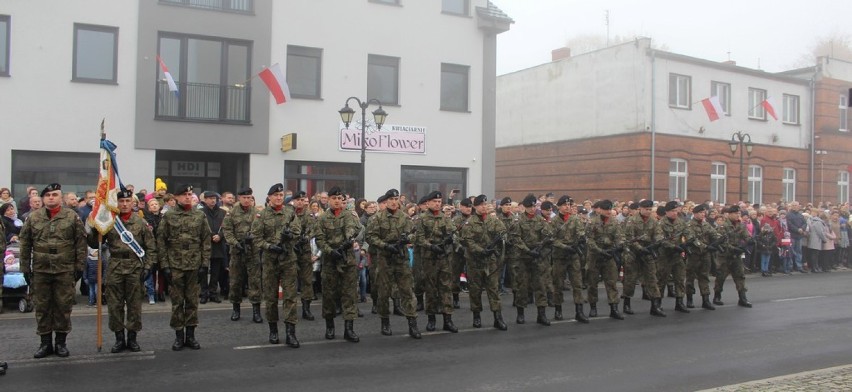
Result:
775,33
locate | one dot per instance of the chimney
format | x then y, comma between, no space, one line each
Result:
729,62
561,53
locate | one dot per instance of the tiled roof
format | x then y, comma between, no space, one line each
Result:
491,11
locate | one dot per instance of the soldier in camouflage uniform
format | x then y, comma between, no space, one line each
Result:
183,247
434,235
506,258
275,230
303,252
335,233
671,263
388,232
643,234
700,240
417,268
457,257
531,234
482,237
244,260
568,242
730,260
606,243
53,239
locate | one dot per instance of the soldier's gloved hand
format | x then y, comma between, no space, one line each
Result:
275,249
488,252
144,275
203,270
436,249
248,240
547,242
534,253
336,255
448,240
391,248
240,247
287,235
346,245
167,272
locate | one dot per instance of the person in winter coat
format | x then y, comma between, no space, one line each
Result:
816,238
766,245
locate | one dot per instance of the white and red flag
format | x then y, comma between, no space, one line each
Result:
713,107
169,79
769,108
277,84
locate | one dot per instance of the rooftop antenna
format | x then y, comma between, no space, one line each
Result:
606,20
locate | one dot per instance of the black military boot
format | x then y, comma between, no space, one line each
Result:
627,308
120,344
349,333
656,309
542,317
306,311
705,303
329,328
397,311
46,347
671,290
448,323
235,314
613,312
593,310
430,323
214,297
290,339
419,303
413,331
679,307
579,315
179,339
498,321
190,338
255,313
717,299
689,303
59,345
386,329
477,320
743,300
456,301
557,315
131,342
203,299
520,319
273,333
3,367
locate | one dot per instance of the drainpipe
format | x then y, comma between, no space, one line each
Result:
653,121
813,136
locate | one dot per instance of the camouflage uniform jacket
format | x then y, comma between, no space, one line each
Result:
672,234
603,235
122,259
183,239
237,224
530,233
640,233
387,228
269,225
336,231
510,222
54,245
737,238
307,223
699,234
480,231
459,221
432,229
570,230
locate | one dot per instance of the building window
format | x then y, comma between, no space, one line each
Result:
241,6
756,97
677,179
211,75
755,184
788,185
383,79
680,91
843,107
5,29
304,72
723,91
843,187
95,54
454,87
418,181
76,171
456,7
791,109
718,182
314,177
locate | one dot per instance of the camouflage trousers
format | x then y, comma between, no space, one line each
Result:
339,283
730,265
374,280
306,275
438,282
417,272
671,266
394,269
484,274
698,268
458,263
602,268
244,267
644,270
124,294
280,271
530,274
571,266
53,297
183,292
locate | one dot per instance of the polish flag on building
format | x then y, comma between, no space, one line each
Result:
275,82
713,107
769,108
171,81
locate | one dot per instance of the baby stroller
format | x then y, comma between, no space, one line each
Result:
15,289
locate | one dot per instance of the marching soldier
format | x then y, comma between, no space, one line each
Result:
303,252
373,252
701,239
531,235
388,231
458,260
671,261
183,244
643,234
730,261
53,239
434,234
417,269
568,247
126,272
506,258
482,237
335,233
606,243
244,261
274,230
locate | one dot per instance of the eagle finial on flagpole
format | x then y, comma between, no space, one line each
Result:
103,133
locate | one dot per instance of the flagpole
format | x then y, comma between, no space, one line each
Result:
98,323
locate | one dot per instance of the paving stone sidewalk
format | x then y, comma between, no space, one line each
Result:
837,378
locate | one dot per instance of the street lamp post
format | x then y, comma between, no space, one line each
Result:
822,154
379,115
738,138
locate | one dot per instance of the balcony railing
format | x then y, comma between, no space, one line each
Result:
241,6
204,102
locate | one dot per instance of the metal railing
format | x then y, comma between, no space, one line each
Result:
243,6
203,102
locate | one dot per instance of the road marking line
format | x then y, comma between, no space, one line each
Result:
797,299
89,358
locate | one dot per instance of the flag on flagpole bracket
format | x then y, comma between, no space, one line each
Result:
713,107
171,81
769,108
274,80
102,217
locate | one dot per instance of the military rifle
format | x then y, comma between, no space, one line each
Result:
615,254
299,247
492,247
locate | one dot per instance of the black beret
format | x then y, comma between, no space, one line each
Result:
661,210
699,208
391,193
672,205
382,199
207,194
479,200
279,187
733,208
434,195
529,200
185,188
565,199
546,205
335,191
605,204
582,210
633,206
506,200
422,200
124,194
466,202
245,191
596,204
299,194
646,203
51,188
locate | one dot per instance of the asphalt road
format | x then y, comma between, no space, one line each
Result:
798,323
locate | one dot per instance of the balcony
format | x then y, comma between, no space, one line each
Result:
238,6
202,102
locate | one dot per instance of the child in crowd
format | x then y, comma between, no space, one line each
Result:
90,275
785,253
765,246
